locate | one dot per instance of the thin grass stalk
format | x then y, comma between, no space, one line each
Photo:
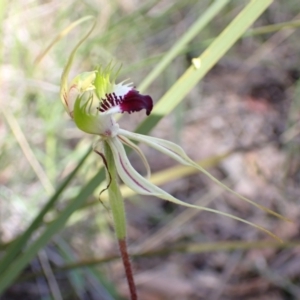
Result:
16,247
11,265
204,63
272,28
200,23
175,248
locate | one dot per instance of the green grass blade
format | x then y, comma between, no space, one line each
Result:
110,288
207,60
76,278
20,262
185,248
272,28
201,22
15,247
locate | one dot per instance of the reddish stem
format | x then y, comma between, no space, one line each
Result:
128,268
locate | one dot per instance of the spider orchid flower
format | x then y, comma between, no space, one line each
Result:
93,98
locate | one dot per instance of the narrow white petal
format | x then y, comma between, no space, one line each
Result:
161,145
178,154
142,186
127,173
133,146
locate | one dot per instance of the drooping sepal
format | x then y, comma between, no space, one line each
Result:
133,146
141,185
179,155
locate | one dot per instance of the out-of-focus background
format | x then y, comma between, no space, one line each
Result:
249,104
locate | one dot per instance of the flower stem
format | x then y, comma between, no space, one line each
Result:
128,268
119,217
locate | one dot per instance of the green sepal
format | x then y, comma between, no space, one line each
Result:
83,119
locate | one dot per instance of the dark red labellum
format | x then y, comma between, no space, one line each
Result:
134,101
131,102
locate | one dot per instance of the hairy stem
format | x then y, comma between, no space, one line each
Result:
118,211
128,268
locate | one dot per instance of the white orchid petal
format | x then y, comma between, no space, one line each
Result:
142,186
121,89
133,146
113,110
178,154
